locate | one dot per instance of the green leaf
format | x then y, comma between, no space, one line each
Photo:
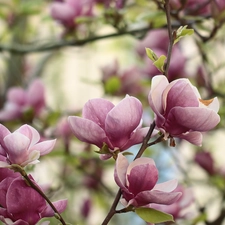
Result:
151,215
181,32
112,85
160,62
151,54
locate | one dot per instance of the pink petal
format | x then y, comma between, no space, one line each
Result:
29,132
122,120
159,83
17,95
3,133
24,202
36,94
142,177
167,186
44,147
11,111
193,137
59,205
180,93
96,110
62,12
152,179
87,131
17,146
121,170
196,119
158,197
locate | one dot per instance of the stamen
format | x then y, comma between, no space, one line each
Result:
206,102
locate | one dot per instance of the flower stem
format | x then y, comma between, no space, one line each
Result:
19,169
145,141
144,145
112,210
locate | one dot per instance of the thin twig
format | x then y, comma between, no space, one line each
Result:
171,39
112,210
19,169
48,46
144,145
145,141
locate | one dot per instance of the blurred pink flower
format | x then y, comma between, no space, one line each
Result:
63,129
154,39
19,101
180,111
205,160
22,205
104,123
191,7
137,181
129,79
66,12
22,147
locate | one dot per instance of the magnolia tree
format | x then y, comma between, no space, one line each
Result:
146,148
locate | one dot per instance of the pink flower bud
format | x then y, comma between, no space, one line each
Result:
137,181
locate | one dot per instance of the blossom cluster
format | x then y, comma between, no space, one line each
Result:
20,203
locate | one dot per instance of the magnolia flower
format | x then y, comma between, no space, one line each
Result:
137,181
22,147
180,111
103,123
22,205
19,101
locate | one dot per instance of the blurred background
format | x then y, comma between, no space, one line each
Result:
59,54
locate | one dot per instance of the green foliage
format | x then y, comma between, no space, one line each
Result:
158,62
112,85
151,54
182,32
151,215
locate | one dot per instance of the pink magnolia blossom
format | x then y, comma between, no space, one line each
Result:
67,11
137,181
22,205
104,123
180,111
19,101
22,147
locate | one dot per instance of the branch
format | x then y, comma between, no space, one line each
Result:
170,34
48,46
19,169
